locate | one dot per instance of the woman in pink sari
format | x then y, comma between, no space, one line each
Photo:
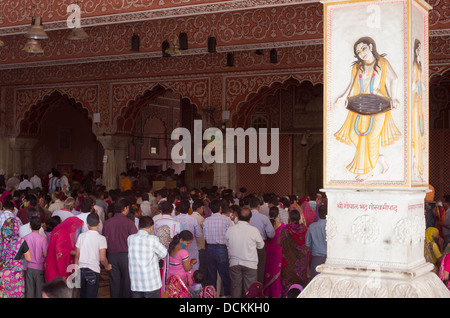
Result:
12,251
61,248
444,270
180,262
272,272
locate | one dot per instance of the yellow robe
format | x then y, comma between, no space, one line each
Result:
384,132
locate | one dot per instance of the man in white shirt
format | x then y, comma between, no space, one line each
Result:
64,182
36,181
144,253
25,183
91,251
167,219
145,205
243,240
87,207
13,182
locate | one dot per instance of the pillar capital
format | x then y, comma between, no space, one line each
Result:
22,143
114,141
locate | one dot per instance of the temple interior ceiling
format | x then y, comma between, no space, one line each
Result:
293,27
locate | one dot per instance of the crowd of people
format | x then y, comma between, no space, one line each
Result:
57,237
60,232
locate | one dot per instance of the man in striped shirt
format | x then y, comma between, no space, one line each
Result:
144,252
214,230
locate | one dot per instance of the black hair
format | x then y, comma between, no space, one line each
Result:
57,288
32,212
254,202
197,204
32,199
294,216
184,206
92,219
273,214
166,207
215,205
52,223
145,222
183,235
86,204
323,210
198,276
35,223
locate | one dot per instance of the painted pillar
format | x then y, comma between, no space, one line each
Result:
376,151
115,158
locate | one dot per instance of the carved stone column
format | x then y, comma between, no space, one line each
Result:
22,161
114,161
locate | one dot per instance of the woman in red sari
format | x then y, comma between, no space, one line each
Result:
272,272
295,255
308,212
61,248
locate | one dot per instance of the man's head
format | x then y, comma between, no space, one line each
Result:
165,207
31,199
323,210
446,202
215,206
245,214
198,206
146,223
184,206
69,203
8,206
86,205
31,212
35,223
92,220
254,203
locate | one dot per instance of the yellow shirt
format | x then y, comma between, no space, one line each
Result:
125,184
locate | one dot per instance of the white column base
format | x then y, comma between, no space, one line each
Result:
348,282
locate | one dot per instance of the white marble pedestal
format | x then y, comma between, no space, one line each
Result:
375,241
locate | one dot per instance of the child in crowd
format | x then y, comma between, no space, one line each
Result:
91,251
196,286
37,244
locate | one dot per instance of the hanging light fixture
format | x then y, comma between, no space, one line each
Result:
36,30
32,46
78,34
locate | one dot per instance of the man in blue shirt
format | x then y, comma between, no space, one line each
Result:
316,240
262,223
